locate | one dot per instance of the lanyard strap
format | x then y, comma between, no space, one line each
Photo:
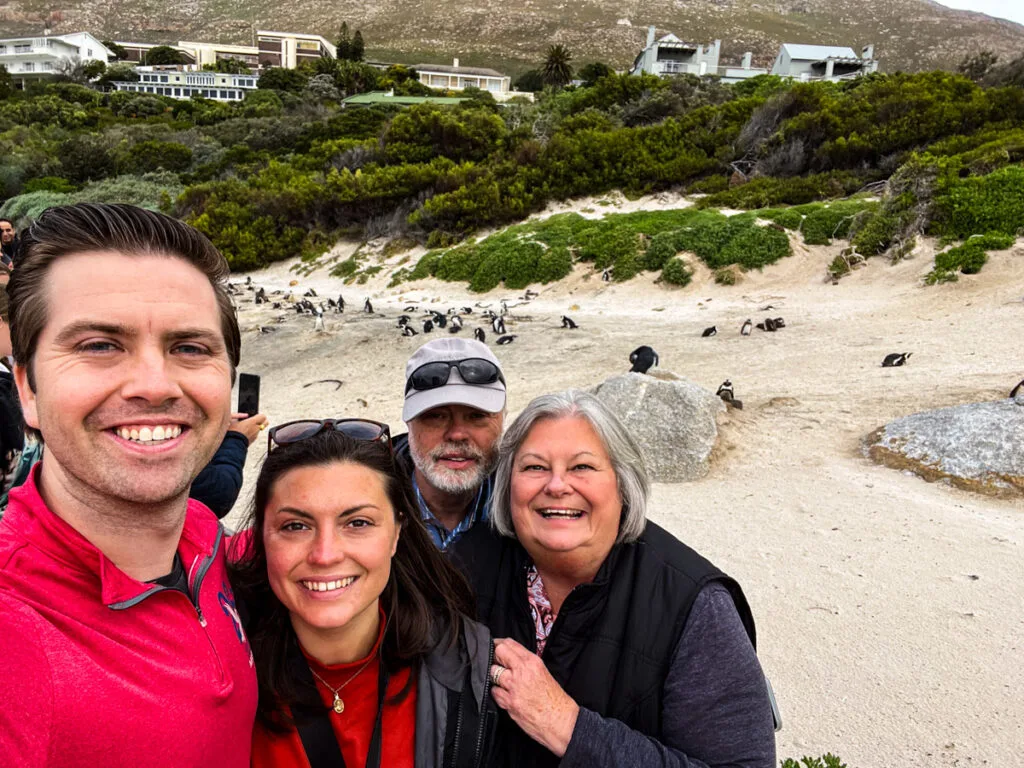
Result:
318,739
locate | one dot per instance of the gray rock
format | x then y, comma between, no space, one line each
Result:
978,447
673,422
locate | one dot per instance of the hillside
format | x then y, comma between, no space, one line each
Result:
909,35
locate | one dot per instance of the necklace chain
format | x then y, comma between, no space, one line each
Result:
338,704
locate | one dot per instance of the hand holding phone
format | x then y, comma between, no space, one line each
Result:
248,393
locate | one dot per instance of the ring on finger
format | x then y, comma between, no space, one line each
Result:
497,672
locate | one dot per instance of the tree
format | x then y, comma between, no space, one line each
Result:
119,51
5,82
344,44
358,49
164,55
977,66
94,69
594,71
228,66
281,79
557,70
532,81
124,73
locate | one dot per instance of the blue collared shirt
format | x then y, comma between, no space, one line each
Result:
479,511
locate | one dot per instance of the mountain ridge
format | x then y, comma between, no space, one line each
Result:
908,35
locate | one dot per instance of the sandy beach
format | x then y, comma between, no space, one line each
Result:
889,609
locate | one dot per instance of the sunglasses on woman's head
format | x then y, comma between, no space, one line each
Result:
473,370
357,429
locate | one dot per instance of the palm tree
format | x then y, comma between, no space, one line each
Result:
556,70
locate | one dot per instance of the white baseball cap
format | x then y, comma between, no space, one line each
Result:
456,391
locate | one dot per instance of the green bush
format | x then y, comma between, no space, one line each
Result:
825,761
765,192
49,184
149,156
826,221
661,248
990,203
969,257
725,276
675,272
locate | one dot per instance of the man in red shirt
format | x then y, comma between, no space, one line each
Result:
120,644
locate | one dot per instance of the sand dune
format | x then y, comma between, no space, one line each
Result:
889,610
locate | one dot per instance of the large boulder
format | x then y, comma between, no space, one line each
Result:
978,447
673,422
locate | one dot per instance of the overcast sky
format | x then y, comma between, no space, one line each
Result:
1002,9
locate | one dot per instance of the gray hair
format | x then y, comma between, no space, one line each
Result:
627,461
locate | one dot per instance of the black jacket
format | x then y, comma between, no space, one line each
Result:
220,482
613,641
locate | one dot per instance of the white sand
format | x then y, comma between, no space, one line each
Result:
889,609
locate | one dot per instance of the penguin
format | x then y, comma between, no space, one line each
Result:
440,320
456,324
319,325
642,359
248,282
1015,390
332,303
467,310
745,330
498,325
341,304
479,335
368,307
403,320
567,322
725,392
310,294
408,330
530,294
896,359
507,339
276,305
767,325
261,296
606,276
779,323
267,329
709,332
427,326
298,309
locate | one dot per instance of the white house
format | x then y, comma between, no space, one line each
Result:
671,56
455,78
28,58
184,84
823,62
289,49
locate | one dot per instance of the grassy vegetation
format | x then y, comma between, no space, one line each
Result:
968,258
287,171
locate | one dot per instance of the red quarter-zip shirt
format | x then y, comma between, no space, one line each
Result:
98,669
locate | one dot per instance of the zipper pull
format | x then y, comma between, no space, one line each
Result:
202,619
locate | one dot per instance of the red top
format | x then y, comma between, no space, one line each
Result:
101,670
354,727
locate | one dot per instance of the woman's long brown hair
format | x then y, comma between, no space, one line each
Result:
424,600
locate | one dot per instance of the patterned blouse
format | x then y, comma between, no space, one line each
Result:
540,607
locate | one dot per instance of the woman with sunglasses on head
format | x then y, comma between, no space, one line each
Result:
358,627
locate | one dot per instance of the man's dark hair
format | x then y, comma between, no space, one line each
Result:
424,600
70,229
2,219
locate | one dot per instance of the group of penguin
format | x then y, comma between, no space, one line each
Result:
453,322
770,324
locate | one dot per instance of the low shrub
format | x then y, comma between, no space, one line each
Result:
990,203
725,276
825,761
768,191
675,272
967,258
661,248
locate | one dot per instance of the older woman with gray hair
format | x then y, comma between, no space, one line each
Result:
621,645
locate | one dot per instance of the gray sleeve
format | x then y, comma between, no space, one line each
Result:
716,710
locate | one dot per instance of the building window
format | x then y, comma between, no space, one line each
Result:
163,78
177,91
89,52
47,65
28,67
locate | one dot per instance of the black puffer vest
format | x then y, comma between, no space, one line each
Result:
613,641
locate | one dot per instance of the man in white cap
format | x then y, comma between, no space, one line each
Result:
455,410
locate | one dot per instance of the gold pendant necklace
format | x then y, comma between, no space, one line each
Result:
338,705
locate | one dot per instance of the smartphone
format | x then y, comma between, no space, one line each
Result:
248,393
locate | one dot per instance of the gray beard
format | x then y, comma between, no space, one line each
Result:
456,482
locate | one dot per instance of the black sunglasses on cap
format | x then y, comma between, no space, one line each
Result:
473,370
357,429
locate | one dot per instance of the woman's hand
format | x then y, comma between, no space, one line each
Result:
536,702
